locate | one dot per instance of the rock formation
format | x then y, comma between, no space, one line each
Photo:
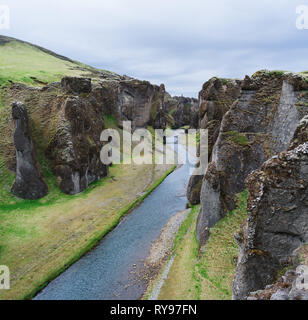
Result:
160,121
131,100
76,85
68,118
258,125
74,150
292,285
277,221
29,181
194,188
186,113
215,99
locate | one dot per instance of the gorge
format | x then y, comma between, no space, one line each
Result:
245,231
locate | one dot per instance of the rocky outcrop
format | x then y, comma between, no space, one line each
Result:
29,181
68,118
215,99
301,134
74,150
277,221
131,100
293,285
186,113
160,121
194,188
76,85
258,125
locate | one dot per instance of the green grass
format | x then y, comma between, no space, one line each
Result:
185,226
110,122
207,275
183,283
217,265
97,237
237,138
21,62
278,73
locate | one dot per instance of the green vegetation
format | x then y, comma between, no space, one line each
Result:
237,138
302,104
269,73
185,227
110,122
183,282
36,236
198,136
207,275
97,236
224,81
277,73
217,265
21,62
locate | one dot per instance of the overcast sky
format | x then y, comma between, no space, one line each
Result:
181,43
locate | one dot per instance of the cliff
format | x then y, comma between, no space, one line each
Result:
66,103
257,140
254,120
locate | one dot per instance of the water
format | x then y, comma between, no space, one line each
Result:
105,272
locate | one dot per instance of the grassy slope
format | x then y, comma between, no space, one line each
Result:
22,62
207,276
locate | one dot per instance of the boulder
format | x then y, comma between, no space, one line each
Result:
293,285
194,189
29,181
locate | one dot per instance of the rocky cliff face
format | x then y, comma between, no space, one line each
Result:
255,120
215,99
277,221
292,285
131,100
186,113
67,119
29,181
74,150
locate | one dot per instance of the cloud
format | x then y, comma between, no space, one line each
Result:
181,43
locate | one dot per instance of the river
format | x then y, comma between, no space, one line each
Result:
108,272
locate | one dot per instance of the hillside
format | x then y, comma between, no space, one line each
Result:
33,65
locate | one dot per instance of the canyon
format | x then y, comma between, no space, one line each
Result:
58,200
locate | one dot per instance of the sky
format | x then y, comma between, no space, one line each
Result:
181,43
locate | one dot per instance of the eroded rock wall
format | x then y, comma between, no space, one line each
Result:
186,113
215,99
29,180
277,221
67,119
249,134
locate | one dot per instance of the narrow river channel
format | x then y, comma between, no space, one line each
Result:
105,273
